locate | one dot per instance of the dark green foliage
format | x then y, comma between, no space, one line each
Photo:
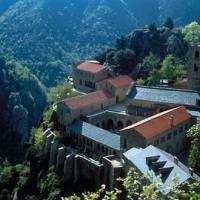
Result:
22,100
31,198
191,33
5,195
194,156
147,48
125,60
50,186
168,23
42,33
151,62
60,92
152,27
121,42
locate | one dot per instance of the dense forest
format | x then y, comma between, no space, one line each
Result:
22,100
152,53
48,36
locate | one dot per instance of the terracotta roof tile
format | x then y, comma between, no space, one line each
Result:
159,123
91,67
83,101
121,81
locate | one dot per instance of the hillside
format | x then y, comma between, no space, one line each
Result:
22,100
48,36
5,5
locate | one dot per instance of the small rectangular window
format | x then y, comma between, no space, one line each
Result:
156,142
175,133
163,139
169,136
180,129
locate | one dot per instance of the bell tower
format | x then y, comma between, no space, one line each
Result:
194,67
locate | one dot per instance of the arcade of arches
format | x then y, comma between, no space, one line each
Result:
110,124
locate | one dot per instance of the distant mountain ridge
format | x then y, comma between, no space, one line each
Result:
48,35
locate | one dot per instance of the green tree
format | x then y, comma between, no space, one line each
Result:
60,92
151,62
50,185
36,136
121,42
154,77
191,33
152,27
125,60
138,187
194,156
168,23
140,82
168,67
180,71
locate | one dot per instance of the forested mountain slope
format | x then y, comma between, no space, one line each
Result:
22,101
49,35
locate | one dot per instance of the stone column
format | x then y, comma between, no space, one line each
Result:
76,170
49,139
62,152
69,167
53,152
99,178
44,138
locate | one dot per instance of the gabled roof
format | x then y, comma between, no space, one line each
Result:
161,162
99,135
121,81
164,95
159,123
91,66
86,100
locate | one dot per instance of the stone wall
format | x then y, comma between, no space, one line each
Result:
74,168
194,67
81,77
172,140
112,120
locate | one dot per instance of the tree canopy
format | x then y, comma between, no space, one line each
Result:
191,33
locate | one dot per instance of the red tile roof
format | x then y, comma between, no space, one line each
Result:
83,101
159,123
121,81
91,67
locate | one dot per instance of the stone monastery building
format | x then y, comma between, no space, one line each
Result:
114,125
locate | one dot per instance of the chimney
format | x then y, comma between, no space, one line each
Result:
175,160
191,171
171,120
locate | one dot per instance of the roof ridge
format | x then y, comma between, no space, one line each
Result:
167,88
144,121
79,96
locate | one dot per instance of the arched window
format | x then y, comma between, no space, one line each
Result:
120,125
125,143
110,124
102,149
197,54
195,68
103,125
